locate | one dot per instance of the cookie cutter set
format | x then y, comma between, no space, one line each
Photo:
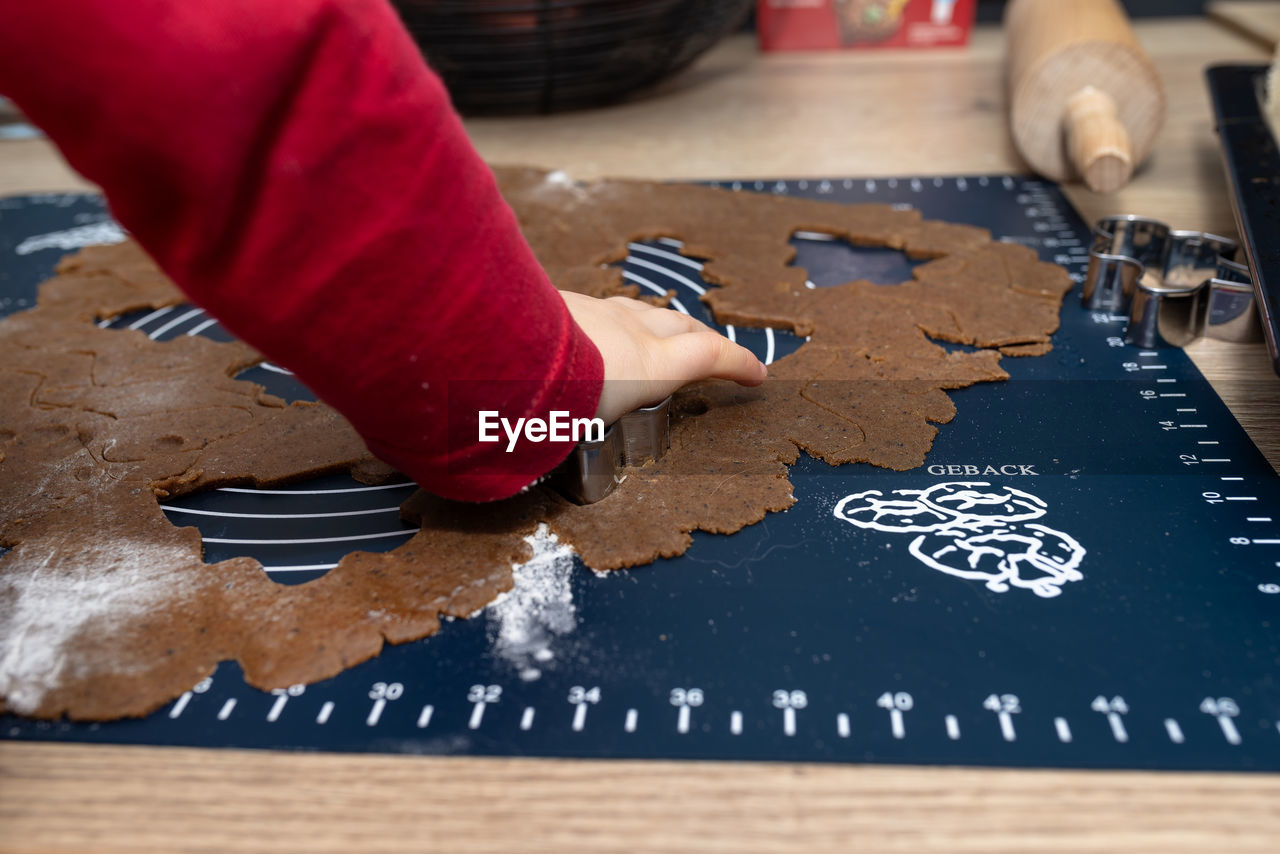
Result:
1175,285
593,469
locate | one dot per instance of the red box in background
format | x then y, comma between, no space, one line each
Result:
832,24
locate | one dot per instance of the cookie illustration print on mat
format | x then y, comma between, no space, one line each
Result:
109,610
975,531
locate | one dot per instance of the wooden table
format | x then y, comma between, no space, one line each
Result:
735,114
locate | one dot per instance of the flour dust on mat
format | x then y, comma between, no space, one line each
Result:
96,591
524,622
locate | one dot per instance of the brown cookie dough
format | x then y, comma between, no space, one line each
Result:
108,610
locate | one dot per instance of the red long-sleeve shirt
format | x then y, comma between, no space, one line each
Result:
295,167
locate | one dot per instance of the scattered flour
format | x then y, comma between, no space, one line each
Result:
560,178
525,621
559,181
98,588
73,238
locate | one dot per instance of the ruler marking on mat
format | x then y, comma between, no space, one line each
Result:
179,706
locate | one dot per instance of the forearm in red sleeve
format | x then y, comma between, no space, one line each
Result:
296,168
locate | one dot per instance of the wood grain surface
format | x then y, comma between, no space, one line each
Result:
145,800
1257,19
735,114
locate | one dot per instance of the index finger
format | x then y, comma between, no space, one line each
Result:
706,354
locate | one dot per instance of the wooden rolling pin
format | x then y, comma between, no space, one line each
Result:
1084,100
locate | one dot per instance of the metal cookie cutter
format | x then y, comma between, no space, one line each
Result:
1174,285
593,469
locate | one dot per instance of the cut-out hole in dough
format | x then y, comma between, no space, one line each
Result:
657,267
170,322
297,532
831,261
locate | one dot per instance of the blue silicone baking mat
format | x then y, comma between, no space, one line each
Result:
1085,573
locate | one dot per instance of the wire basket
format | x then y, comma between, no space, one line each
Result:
507,56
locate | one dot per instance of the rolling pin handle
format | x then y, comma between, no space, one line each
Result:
1098,144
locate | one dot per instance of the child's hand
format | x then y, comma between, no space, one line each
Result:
650,352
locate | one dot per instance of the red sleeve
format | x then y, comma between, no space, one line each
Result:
298,171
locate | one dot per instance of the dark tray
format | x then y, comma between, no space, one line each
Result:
1252,161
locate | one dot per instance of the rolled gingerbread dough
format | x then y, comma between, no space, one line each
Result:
107,610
